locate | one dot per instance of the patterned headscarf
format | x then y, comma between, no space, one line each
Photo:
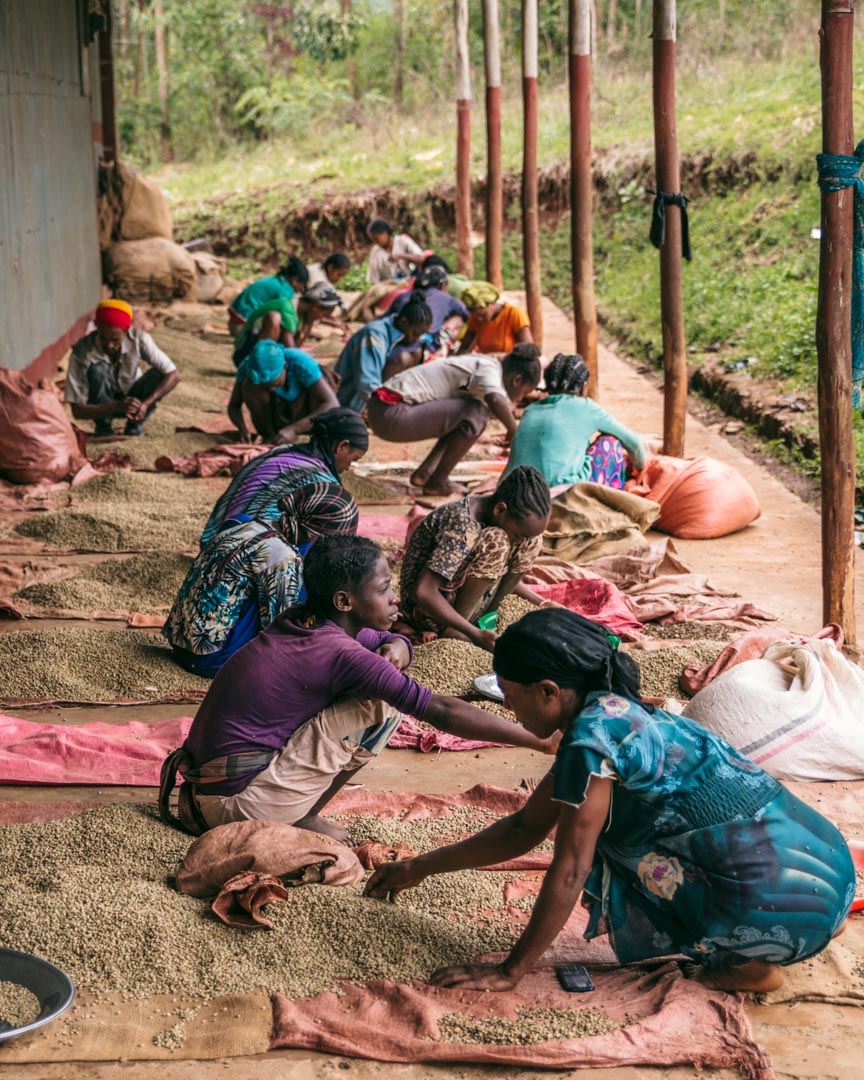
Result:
478,294
318,509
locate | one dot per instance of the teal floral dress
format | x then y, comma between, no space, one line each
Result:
704,853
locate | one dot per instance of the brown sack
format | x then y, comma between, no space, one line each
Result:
211,271
37,441
590,521
243,898
266,847
145,211
142,271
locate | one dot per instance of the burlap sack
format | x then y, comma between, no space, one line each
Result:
210,276
154,270
145,211
267,847
37,443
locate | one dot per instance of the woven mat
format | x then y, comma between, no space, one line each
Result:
113,1029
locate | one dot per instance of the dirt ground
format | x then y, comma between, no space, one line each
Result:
774,563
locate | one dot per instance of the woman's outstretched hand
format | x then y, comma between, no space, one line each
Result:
391,878
475,977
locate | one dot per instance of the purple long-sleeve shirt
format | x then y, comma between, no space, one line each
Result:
283,678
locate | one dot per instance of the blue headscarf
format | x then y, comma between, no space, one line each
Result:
264,364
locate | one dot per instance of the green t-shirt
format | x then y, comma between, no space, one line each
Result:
261,292
284,305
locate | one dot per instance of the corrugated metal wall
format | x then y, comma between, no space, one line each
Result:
50,270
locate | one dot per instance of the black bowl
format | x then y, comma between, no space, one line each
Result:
54,989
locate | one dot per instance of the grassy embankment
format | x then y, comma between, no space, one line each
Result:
751,287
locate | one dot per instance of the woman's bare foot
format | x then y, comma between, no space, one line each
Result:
444,487
316,823
755,977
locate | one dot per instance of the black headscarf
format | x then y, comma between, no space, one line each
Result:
572,651
332,427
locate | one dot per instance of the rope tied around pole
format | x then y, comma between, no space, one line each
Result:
657,234
837,172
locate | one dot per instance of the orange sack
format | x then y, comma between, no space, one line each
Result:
700,498
37,441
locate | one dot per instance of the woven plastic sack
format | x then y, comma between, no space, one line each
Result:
700,498
37,441
150,270
798,712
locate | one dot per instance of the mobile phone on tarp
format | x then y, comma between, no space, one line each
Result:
574,978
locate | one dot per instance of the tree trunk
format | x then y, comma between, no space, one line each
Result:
139,52
123,10
162,74
611,24
399,18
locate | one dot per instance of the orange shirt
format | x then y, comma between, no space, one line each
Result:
499,335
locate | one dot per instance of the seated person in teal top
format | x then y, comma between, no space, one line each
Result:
283,390
676,842
557,435
292,278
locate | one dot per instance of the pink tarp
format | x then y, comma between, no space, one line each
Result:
95,753
132,752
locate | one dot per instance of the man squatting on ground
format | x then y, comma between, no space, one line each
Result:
292,715
104,378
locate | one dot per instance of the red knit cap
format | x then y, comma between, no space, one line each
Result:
115,313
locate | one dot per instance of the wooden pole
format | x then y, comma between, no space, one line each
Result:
581,191
464,252
494,175
669,182
530,201
834,329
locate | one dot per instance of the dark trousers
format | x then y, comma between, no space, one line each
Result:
102,388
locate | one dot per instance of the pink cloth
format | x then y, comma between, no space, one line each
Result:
127,753
227,460
383,526
595,599
412,736
672,1020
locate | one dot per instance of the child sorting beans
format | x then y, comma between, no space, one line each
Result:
466,556
293,714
